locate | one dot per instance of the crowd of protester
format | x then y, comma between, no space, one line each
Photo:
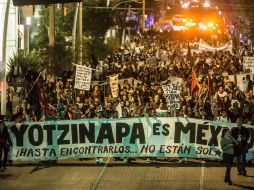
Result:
152,60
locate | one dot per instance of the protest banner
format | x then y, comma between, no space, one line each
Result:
125,137
172,95
83,77
113,81
206,47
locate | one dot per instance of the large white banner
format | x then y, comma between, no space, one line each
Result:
125,137
83,77
206,47
113,81
199,47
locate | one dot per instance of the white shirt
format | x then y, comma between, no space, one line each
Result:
221,95
243,85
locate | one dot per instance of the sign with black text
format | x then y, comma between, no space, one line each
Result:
125,137
172,95
83,77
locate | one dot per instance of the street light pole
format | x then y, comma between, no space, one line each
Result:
51,25
80,32
74,28
143,14
3,92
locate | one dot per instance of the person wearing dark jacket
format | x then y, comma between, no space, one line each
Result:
3,145
227,144
242,135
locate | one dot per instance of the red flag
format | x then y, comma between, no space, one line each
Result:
194,81
43,101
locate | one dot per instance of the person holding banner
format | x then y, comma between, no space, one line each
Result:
4,147
227,144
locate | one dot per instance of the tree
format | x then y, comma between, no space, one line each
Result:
57,59
97,21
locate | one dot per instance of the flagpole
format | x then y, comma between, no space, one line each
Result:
3,92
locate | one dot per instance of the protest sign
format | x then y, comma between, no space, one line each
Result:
113,81
172,95
248,63
83,77
125,137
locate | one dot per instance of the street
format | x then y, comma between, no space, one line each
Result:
126,94
75,174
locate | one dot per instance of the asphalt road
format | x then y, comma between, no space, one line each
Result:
116,175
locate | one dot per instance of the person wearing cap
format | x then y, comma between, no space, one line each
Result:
3,145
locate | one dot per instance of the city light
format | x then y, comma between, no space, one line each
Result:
28,21
207,4
185,5
210,24
190,23
202,26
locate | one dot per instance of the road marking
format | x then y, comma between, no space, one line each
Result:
201,182
97,181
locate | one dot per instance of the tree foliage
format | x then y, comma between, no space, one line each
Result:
96,21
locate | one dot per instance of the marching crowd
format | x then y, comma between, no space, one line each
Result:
152,60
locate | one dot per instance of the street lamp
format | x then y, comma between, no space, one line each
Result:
3,91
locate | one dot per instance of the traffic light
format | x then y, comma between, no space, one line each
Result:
41,2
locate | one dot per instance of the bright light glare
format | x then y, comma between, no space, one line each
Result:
161,30
190,24
219,31
185,5
202,26
178,28
28,21
210,24
206,4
